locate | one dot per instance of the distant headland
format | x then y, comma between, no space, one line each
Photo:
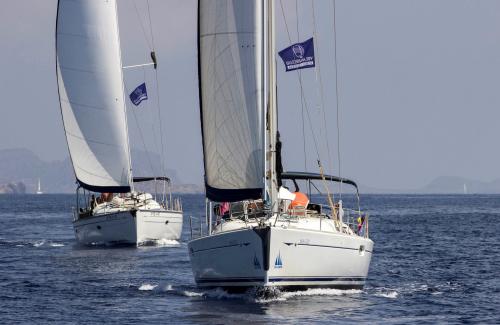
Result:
20,170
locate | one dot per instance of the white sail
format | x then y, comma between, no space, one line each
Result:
39,188
231,97
89,75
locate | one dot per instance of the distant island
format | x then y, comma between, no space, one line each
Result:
443,185
20,170
13,188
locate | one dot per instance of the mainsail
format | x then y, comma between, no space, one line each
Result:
230,55
90,80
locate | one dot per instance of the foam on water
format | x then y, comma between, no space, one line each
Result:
160,243
320,292
147,287
389,294
167,242
275,294
191,294
263,295
38,243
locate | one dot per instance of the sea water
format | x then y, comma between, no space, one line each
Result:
436,259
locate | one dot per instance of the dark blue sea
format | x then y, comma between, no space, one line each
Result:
436,260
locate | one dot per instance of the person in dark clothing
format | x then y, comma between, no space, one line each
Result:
93,202
279,165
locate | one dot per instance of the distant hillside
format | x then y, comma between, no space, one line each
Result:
453,184
443,185
23,166
13,188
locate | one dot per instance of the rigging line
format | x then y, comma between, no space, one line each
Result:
297,19
142,26
321,96
162,164
303,102
302,90
141,135
330,197
337,93
301,95
319,80
151,48
152,118
150,111
150,26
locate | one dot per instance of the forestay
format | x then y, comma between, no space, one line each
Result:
231,97
89,75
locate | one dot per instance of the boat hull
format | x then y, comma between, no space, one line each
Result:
275,256
131,227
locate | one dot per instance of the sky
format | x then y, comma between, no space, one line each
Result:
418,86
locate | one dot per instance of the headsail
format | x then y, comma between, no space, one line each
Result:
231,97
90,80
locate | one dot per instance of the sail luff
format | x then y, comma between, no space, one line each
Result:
91,95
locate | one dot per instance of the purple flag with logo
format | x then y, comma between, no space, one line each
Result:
139,94
299,55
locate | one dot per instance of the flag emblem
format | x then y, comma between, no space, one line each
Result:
299,55
139,94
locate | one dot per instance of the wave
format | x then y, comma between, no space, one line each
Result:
30,243
413,288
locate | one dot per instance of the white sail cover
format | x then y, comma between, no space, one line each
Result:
231,97
90,80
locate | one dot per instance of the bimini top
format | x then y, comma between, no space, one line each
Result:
308,176
151,178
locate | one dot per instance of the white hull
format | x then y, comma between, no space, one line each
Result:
290,258
128,227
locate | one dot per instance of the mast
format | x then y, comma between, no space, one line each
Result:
131,177
271,106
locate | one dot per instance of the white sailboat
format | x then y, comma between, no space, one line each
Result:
39,188
93,107
263,234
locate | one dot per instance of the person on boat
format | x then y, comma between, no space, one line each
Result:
279,164
300,202
361,220
224,208
106,197
341,211
93,202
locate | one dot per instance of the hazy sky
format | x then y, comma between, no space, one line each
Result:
419,85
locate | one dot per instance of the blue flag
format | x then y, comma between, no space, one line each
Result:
299,55
139,94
